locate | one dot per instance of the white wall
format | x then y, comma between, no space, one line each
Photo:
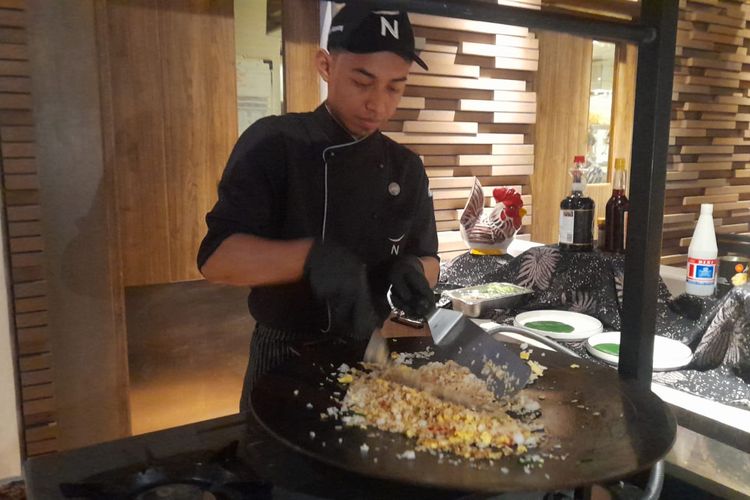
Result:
252,42
10,454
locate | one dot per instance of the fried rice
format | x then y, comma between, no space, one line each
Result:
480,429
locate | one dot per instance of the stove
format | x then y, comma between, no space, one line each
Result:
209,475
226,458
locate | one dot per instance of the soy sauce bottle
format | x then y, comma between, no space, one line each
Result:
616,232
577,213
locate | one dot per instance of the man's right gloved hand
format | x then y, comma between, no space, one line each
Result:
410,290
338,277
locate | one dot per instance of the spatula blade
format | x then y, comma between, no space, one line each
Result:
443,323
377,351
460,339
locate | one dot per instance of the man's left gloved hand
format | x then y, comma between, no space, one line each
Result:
410,290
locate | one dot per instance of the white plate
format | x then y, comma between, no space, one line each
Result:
583,326
668,354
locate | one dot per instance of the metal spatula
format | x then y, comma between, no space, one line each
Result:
458,338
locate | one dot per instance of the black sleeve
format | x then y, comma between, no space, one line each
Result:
423,241
249,190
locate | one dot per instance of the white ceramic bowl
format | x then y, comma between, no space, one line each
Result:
668,354
583,325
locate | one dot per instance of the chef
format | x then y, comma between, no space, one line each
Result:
319,213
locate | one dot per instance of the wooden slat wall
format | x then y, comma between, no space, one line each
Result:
709,158
172,131
26,244
472,114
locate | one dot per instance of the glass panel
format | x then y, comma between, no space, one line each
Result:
600,110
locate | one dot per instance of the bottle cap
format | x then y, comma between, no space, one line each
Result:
620,164
601,220
578,173
707,208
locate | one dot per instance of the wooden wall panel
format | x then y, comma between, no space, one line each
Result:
709,143
172,131
301,41
623,104
199,113
465,117
25,242
138,116
564,79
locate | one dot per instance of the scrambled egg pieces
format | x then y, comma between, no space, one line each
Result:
437,425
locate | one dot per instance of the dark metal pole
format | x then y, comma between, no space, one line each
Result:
653,104
482,10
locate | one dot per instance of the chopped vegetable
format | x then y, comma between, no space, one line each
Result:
408,455
486,292
537,370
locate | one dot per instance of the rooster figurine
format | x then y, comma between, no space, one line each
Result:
489,232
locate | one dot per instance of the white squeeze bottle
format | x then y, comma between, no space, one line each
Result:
702,255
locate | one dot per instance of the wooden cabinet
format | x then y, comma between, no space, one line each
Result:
168,75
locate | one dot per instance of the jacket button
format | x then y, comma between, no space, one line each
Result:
381,165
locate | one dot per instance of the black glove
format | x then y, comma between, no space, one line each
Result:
410,290
339,278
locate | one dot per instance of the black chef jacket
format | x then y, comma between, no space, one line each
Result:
301,175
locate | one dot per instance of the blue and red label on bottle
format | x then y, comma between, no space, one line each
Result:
702,271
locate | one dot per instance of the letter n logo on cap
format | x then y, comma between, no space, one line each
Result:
392,28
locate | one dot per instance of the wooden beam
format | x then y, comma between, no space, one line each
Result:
562,122
623,101
301,41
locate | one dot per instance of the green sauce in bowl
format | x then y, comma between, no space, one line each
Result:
608,348
550,326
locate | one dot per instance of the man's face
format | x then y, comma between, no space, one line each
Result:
363,89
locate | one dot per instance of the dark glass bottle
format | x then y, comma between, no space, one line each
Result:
616,225
600,232
577,214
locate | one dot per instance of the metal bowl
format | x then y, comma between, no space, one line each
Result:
474,301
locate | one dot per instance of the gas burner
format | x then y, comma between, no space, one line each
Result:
177,492
203,476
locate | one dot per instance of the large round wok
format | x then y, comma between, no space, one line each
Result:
604,427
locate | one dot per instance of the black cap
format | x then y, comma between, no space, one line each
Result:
359,29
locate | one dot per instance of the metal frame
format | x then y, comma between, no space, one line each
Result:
655,35
653,104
